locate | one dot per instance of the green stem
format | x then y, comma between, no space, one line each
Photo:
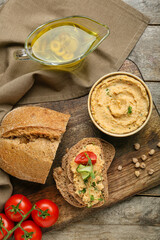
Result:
20,213
5,228
19,224
23,229
25,232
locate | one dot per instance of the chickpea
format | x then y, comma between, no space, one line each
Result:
134,160
137,173
143,157
142,165
150,171
151,152
158,144
137,146
119,168
137,165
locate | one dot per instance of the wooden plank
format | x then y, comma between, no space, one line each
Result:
146,54
111,232
155,91
2,2
121,184
155,192
147,7
129,220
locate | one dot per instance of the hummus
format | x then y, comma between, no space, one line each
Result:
119,104
91,191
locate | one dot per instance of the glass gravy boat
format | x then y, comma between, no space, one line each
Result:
63,43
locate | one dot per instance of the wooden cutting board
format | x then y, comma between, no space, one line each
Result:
122,184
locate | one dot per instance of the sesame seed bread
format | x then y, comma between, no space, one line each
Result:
29,140
66,186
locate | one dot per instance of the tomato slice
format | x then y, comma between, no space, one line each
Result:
82,158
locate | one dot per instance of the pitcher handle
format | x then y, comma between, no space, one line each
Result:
21,54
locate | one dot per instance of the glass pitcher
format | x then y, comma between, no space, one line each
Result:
63,42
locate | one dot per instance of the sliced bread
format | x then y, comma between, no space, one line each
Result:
67,185
29,140
32,120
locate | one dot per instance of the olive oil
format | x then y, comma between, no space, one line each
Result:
63,43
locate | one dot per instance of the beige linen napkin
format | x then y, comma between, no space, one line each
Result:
5,188
27,82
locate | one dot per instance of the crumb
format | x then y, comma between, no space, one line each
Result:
134,160
137,146
119,168
137,173
151,152
143,157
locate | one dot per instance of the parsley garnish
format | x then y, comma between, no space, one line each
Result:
85,181
100,199
92,198
82,191
93,184
107,91
129,110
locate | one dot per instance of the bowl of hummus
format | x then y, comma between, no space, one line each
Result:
120,104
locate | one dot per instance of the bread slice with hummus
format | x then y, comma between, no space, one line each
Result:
85,185
29,140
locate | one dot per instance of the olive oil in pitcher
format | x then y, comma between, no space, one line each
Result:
63,42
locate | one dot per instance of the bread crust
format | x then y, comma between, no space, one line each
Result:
60,177
108,153
34,120
26,161
29,140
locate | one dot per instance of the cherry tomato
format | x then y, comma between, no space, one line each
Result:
15,204
82,158
7,223
32,231
46,214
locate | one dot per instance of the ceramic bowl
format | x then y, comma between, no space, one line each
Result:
128,133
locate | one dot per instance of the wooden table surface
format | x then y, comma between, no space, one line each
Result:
139,217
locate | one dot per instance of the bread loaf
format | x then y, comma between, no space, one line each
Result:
64,175
29,140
